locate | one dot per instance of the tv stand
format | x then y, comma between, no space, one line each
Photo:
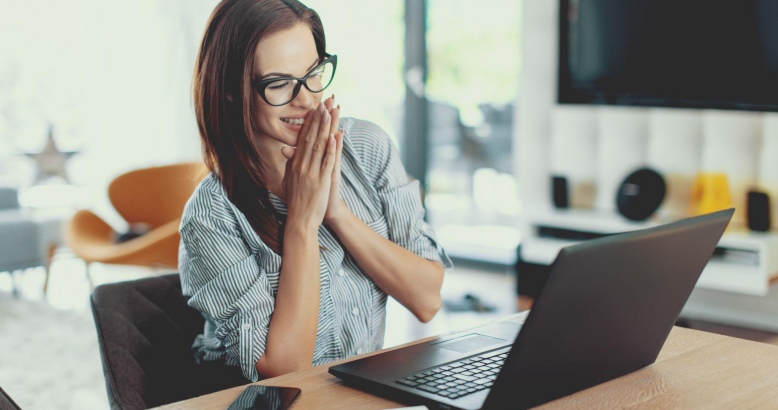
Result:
736,287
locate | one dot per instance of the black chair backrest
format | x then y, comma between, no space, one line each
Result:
145,330
6,402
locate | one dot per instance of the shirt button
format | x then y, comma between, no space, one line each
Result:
360,351
355,311
341,273
247,327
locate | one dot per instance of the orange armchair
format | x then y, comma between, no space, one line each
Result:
154,197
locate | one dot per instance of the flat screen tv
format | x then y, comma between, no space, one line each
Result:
719,54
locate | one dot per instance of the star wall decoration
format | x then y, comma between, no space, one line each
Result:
51,161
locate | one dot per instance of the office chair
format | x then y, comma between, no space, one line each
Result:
153,197
145,331
6,402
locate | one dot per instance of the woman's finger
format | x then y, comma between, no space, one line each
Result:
340,136
335,124
288,152
319,148
328,163
310,138
329,102
305,128
338,152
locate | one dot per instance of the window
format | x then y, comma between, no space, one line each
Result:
473,54
367,36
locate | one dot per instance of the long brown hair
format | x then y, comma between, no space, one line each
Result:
223,103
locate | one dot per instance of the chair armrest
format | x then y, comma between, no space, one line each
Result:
156,247
85,231
92,240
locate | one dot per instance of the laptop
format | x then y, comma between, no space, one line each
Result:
606,310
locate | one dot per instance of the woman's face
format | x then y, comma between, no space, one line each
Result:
292,53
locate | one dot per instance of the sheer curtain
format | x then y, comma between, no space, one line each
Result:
113,79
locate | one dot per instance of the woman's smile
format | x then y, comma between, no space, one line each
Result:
294,123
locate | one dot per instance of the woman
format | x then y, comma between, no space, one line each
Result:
307,221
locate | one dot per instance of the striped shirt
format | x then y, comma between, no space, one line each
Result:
232,276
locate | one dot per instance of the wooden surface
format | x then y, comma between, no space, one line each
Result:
694,370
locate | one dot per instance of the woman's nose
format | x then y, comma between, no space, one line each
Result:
304,98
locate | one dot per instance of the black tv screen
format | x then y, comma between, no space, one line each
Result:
670,53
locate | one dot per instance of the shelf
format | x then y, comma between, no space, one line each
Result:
733,308
480,243
744,262
590,220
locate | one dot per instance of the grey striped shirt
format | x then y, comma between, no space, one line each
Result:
232,276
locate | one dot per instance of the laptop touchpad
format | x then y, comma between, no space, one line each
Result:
469,343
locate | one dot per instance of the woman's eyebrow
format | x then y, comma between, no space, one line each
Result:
288,75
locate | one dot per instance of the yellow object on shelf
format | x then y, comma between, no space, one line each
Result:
710,193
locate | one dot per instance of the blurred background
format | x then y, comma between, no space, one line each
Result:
92,89
110,82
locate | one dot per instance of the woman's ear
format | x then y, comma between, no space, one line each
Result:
229,97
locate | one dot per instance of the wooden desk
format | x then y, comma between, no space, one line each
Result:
694,370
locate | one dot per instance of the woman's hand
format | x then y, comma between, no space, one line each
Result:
335,204
308,178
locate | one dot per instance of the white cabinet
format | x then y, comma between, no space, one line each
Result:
744,262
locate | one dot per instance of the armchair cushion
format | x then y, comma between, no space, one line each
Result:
9,198
19,248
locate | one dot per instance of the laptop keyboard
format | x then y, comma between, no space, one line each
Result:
458,379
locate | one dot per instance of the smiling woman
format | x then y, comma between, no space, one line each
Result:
307,221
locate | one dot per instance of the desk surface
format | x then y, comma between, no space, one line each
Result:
694,370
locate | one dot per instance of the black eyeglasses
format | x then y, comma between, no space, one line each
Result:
282,90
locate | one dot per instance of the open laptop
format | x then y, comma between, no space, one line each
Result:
605,311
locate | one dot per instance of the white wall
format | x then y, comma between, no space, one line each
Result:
677,142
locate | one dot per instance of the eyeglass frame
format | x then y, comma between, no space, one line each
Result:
261,85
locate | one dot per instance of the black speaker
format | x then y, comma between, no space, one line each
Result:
559,192
758,211
640,194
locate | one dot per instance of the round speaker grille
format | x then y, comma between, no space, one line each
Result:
640,194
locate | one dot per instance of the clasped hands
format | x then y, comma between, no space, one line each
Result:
312,177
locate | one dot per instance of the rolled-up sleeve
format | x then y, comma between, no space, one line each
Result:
228,286
401,200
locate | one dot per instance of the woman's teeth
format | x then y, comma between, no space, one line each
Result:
293,121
